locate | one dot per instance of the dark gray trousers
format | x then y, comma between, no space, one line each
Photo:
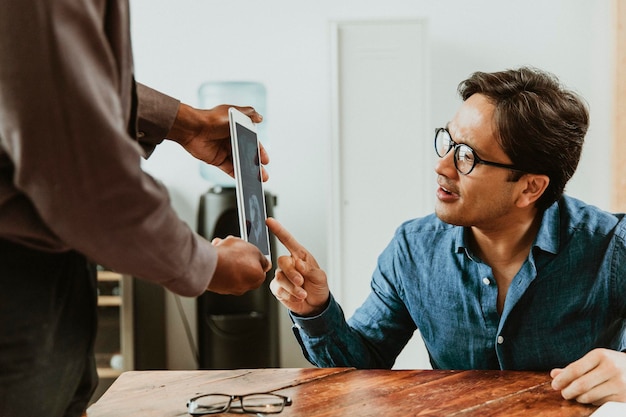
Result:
48,308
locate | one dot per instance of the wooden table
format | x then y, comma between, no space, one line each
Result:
345,392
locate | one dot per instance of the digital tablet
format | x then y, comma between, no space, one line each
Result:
249,182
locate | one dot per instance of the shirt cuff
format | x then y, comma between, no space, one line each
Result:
329,320
156,113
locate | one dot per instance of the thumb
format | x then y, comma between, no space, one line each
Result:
266,264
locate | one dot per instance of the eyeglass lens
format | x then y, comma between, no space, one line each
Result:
263,403
209,404
464,159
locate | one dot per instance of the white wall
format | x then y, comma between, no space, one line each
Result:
285,44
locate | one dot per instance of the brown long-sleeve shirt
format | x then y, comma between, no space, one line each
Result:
70,117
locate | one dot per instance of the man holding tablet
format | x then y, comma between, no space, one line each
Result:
74,125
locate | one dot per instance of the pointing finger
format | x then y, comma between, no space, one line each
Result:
290,242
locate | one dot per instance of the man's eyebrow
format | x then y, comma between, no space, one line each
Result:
460,141
447,127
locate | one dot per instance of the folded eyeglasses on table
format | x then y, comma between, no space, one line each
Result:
259,403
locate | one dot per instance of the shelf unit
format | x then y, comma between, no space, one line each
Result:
114,341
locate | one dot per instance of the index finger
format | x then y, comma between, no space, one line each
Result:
265,157
575,370
290,242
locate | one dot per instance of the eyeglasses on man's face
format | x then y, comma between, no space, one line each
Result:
465,158
261,403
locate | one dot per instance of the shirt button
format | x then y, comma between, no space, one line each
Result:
486,281
141,134
500,340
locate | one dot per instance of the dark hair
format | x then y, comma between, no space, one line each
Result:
541,125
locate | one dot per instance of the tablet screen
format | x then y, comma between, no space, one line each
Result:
252,188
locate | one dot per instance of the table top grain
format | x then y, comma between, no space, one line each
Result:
320,392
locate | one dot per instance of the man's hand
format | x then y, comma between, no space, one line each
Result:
596,378
299,284
240,266
205,134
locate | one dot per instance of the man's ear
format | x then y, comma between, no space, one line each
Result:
533,186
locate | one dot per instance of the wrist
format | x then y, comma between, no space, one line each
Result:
185,125
314,311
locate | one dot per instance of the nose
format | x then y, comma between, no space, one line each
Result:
445,166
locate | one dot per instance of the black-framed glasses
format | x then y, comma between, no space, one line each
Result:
261,403
465,158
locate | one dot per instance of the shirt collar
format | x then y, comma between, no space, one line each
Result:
547,238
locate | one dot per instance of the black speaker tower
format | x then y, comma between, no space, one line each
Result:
235,331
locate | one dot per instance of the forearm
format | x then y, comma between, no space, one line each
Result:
328,341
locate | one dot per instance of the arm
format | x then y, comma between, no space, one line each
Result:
65,115
328,341
205,134
322,331
600,375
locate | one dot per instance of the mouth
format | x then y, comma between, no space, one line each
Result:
446,193
446,188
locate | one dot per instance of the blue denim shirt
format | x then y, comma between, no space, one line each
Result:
568,297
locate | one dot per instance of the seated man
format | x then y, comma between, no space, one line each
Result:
508,273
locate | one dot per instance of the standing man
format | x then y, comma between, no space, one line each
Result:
73,127
508,273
